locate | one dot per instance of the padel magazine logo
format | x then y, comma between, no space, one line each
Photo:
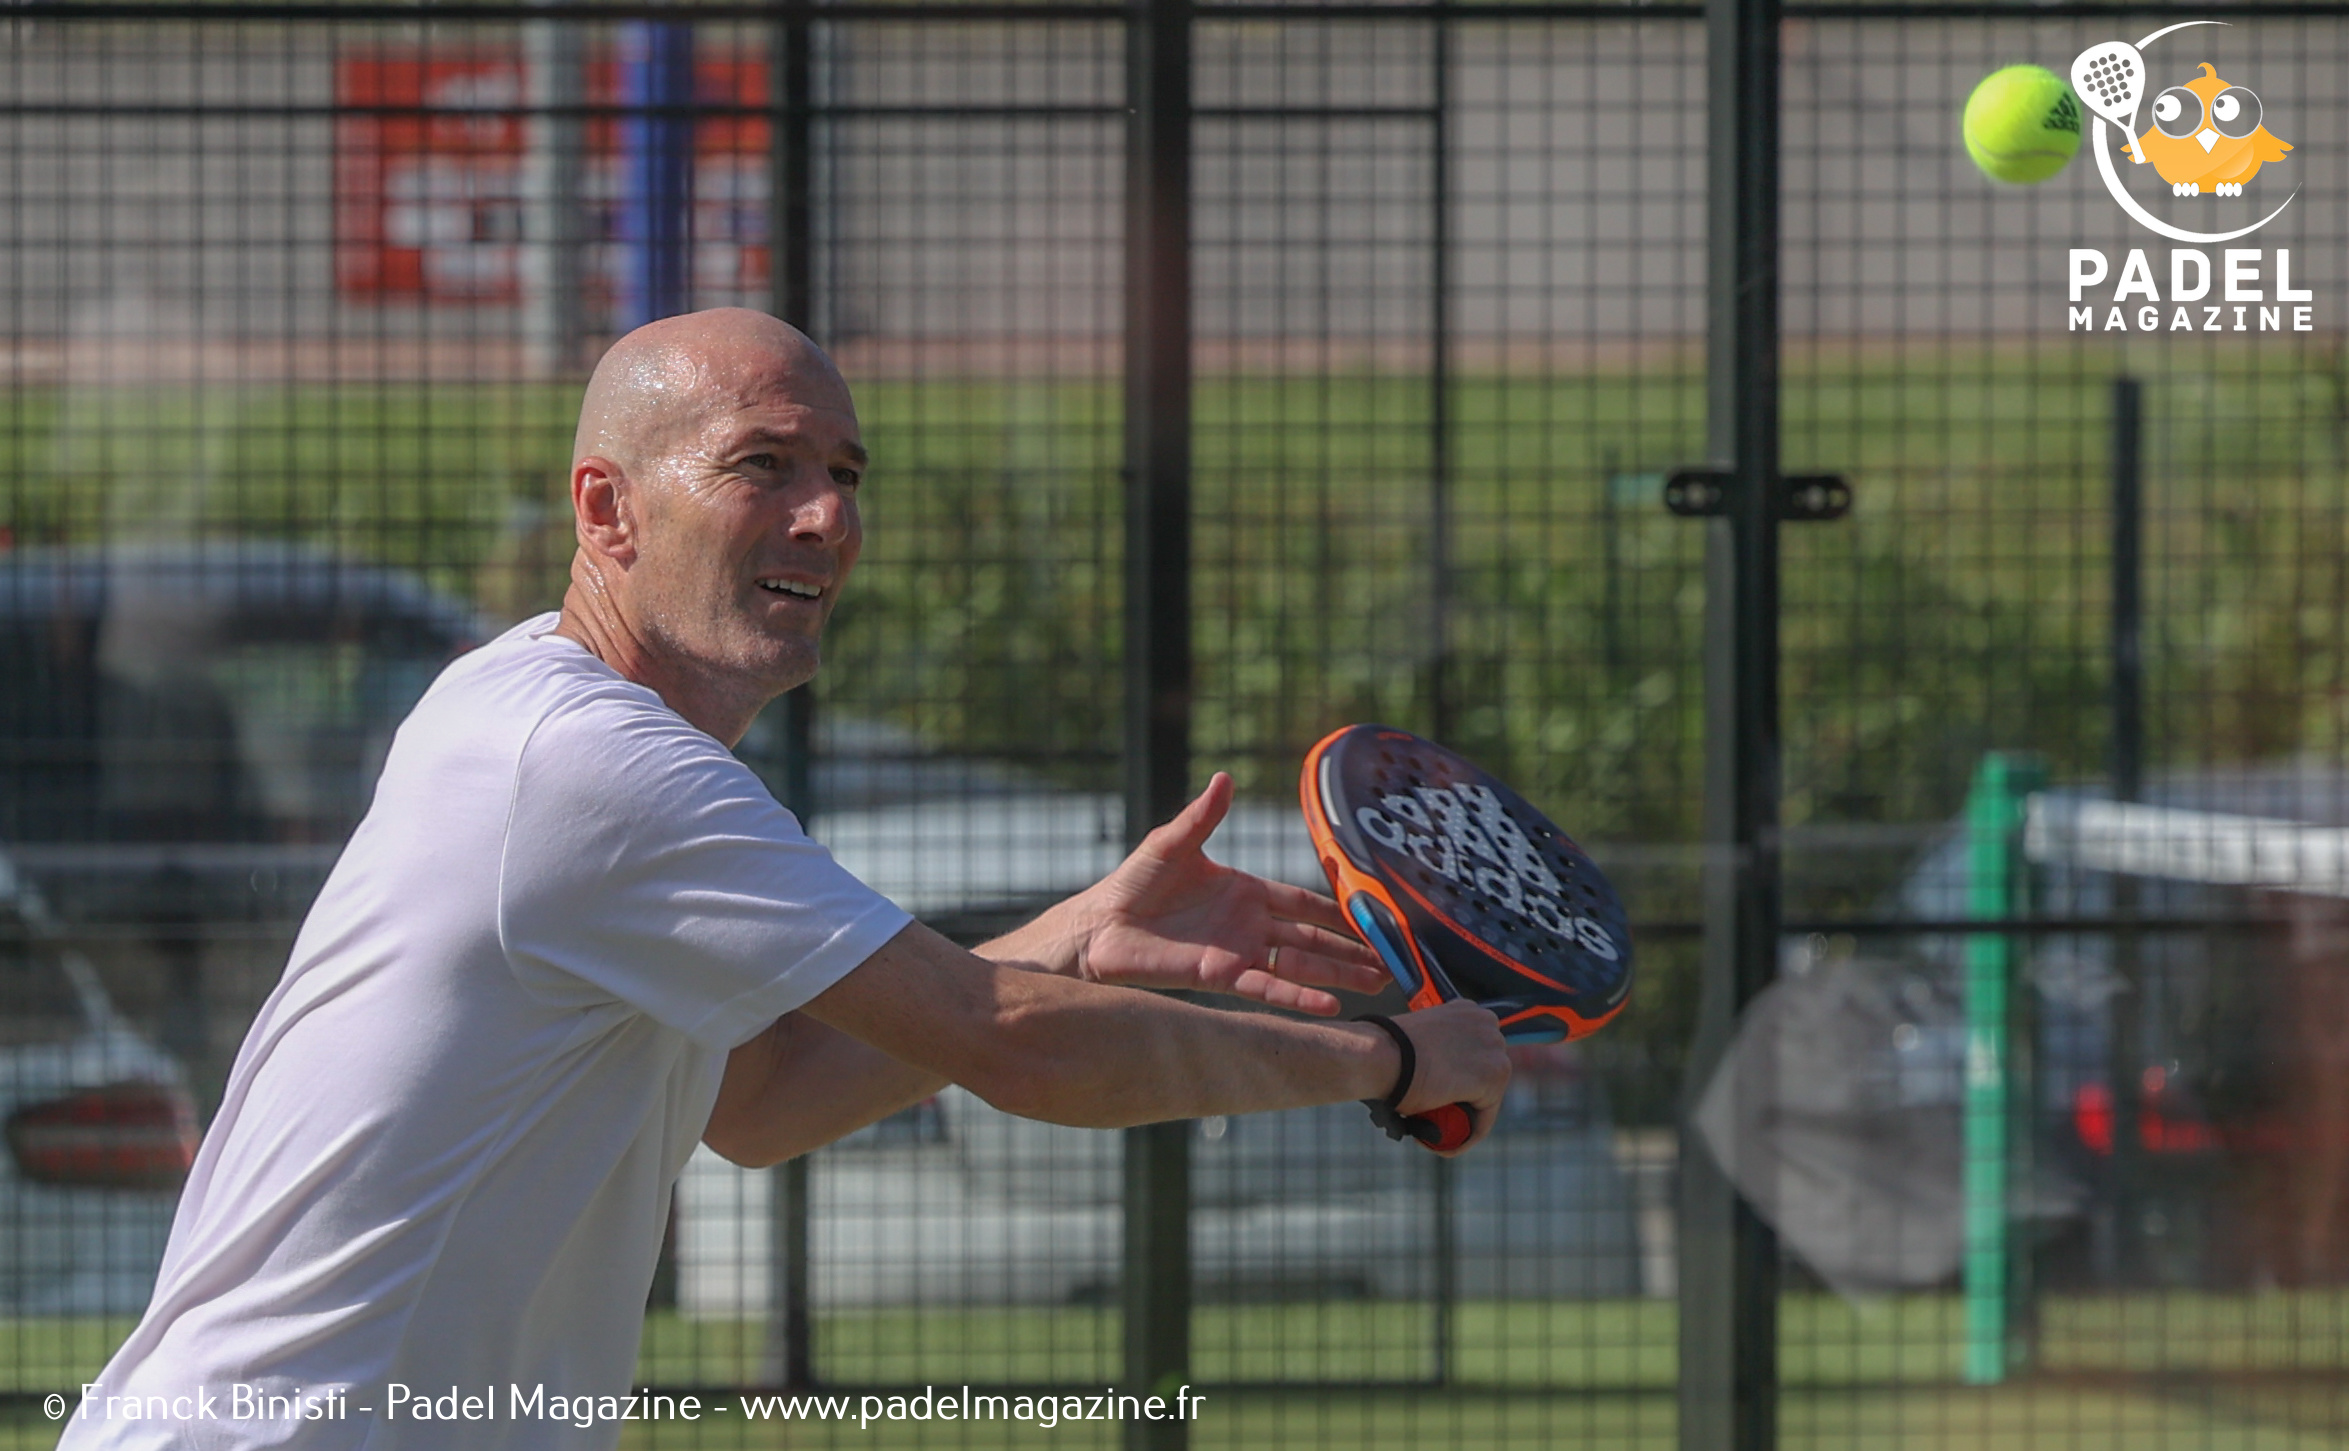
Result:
2207,137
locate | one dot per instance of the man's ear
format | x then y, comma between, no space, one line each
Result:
603,505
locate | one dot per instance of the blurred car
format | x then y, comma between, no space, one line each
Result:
98,1124
233,694
962,1204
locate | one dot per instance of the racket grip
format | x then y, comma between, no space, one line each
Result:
1443,1129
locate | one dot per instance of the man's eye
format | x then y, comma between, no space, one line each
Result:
760,461
846,478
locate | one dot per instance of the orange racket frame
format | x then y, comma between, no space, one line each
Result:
1356,888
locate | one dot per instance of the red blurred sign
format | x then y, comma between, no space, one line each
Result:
429,168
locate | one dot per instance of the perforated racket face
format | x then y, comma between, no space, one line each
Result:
2109,79
1506,910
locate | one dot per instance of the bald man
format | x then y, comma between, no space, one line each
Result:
574,936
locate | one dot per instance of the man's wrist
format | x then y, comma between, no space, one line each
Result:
1405,1075
1378,1061
1058,942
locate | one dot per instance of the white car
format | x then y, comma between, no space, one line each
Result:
960,1204
98,1125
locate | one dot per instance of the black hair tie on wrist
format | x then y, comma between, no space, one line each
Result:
1387,1112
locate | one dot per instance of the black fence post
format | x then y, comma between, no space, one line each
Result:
2128,589
790,1357
1728,1257
1156,1284
1439,687
791,282
2123,1193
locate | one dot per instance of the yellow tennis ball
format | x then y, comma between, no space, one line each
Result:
2022,124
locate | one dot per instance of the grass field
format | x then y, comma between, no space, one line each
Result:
2183,1370
1960,608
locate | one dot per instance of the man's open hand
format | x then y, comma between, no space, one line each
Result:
1170,917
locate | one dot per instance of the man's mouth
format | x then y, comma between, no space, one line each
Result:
796,588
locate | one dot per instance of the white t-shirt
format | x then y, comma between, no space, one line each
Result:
445,1153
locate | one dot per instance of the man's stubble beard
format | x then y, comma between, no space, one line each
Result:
715,636
718,630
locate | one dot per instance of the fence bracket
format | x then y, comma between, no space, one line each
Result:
1803,498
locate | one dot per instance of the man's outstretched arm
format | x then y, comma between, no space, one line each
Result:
921,1012
1081,1053
802,1084
1168,917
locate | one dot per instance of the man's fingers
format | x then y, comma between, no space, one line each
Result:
1299,905
1196,822
1324,959
1260,986
1308,960
1341,947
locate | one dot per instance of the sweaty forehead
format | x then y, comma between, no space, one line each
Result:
768,406
749,381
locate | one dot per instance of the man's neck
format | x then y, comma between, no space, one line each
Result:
590,620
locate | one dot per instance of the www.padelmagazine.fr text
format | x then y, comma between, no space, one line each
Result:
278,1403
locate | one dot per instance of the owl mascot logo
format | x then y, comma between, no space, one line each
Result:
2206,137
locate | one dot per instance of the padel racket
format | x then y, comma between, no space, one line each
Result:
1465,891
2109,79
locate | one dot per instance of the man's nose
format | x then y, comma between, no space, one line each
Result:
823,512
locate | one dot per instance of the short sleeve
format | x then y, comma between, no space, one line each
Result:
644,864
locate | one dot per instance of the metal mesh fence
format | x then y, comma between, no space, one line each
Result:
298,310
